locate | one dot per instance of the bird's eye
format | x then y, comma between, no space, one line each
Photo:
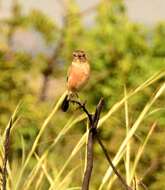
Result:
74,54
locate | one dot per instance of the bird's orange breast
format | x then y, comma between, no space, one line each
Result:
78,76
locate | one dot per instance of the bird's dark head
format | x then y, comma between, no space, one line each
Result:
79,55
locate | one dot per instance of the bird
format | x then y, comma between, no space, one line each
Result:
77,76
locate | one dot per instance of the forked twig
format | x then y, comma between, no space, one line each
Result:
93,122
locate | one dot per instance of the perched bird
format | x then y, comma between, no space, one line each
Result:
77,77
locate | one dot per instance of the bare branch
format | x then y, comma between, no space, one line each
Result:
93,122
111,163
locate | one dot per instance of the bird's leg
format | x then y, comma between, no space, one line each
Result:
84,103
80,104
78,98
76,95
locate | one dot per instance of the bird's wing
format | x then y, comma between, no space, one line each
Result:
68,73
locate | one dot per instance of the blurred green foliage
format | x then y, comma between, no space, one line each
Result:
120,52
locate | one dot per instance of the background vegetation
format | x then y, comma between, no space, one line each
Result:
123,55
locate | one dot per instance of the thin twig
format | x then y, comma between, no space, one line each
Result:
142,185
98,112
51,62
135,183
110,162
50,67
82,106
6,155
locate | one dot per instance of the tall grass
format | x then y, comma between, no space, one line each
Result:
61,178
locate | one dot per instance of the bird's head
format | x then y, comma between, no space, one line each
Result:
79,56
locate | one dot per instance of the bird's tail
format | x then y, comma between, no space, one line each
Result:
65,103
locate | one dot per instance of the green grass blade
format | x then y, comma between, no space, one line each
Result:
141,150
132,131
43,127
127,157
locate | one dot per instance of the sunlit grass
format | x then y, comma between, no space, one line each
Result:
131,132
62,179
